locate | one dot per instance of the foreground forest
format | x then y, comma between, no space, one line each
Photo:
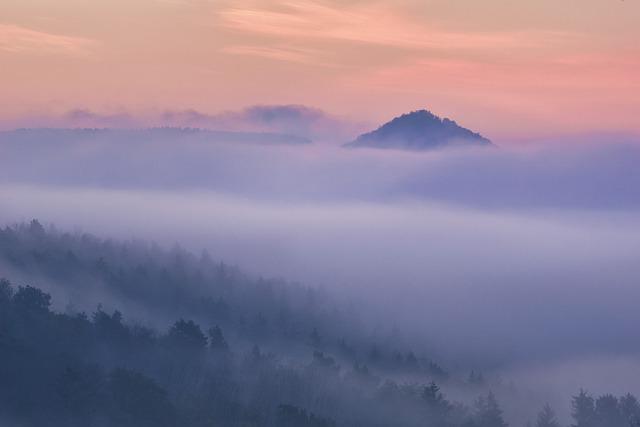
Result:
95,332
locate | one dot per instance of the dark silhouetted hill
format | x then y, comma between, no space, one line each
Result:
419,130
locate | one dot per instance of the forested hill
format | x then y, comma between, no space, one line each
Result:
156,286
198,343
419,130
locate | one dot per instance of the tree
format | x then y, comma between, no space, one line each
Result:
630,409
374,354
475,378
110,327
256,354
6,292
30,299
187,335
36,229
547,417
316,339
216,339
432,395
6,295
583,410
293,416
138,401
488,412
411,360
81,390
437,405
290,415
608,412
323,361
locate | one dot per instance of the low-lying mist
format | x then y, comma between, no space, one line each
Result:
520,262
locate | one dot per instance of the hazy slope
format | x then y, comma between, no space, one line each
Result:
419,130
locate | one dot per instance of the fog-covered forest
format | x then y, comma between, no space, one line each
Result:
319,213
167,338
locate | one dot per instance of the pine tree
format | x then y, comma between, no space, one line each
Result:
437,405
216,339
583,410
630,409
547,417
488,412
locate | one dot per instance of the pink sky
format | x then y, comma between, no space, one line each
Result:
504,68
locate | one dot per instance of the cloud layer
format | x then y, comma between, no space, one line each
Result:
298,120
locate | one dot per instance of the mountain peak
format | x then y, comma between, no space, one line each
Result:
419,130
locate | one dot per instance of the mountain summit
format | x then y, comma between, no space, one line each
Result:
419,130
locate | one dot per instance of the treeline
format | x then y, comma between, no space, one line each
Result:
74,369
604,411
77,370
158,285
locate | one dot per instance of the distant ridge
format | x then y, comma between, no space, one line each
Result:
59,135
419,130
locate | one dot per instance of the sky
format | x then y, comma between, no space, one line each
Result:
507,69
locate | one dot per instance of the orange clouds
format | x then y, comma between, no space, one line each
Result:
301,56
367,23
16,39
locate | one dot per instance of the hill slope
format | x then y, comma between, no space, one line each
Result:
419,130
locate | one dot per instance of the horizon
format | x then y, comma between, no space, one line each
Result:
234,122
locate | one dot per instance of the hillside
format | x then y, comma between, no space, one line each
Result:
419,130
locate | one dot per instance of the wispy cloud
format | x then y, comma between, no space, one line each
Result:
375,24
17,39
301,56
